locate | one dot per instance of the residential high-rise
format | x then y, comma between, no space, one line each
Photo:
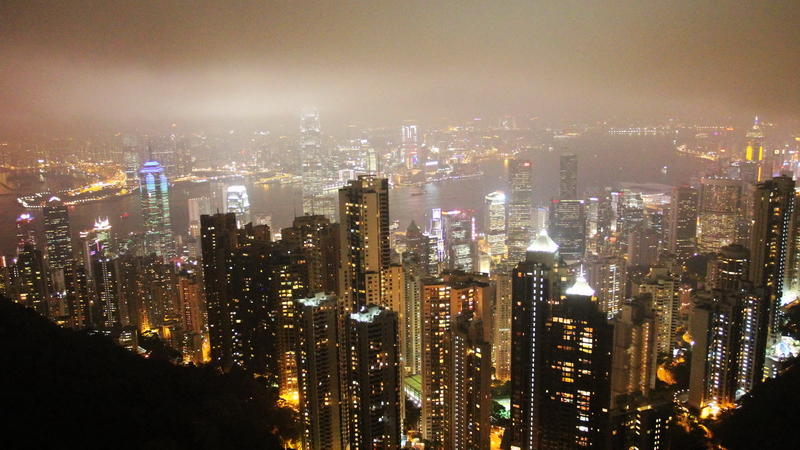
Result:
728,268
520,193
154,191
568,228
568,187
468,406
56,229
495,226
665,291
771,243
320,398
682,231
728,347
366,251
635,356
643,247
375,383
316,239
501,329
219,240
238,203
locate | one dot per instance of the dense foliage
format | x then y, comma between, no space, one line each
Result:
63,388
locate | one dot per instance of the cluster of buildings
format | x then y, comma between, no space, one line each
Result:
583,321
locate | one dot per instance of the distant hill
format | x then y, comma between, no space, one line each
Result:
65,389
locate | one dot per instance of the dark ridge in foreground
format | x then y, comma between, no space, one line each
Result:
767,417
62,388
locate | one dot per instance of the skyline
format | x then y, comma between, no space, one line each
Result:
90,64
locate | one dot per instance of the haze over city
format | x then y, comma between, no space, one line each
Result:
96,64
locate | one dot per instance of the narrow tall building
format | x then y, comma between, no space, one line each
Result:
519,222
56,229
366,251
374,384
773,211
535,284
721,213
682,230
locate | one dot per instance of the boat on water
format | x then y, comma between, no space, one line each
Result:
414,194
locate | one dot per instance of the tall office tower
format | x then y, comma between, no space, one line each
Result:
568,187
468,407
728,268
410,143
754,151
25,231
442,301
721,213
311,153
643,247
459,240
665,291
592,216
568,228
364,214
436,253
630,217
103,270
316,239
375,384
728,347
520,193
219,240
495,226
535,284
56,229
575,375
682,234
412,325
154,191
236,202
608,275
635,358
773,211
501,348
197,207
417,243
320,396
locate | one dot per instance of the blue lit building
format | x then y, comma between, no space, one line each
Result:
154,190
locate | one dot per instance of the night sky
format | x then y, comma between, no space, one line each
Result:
119,62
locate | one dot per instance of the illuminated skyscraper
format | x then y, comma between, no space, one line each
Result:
374,384
197,207
154,191
459,240
25,231
238,203
320,397
754,151
682,231
501,330
575,373
608,275
56,229
519,209
721,213
496,224
568,228
535,284
364,228
568,188
770,245
665,292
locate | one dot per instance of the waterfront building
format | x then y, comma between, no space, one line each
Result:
154,192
